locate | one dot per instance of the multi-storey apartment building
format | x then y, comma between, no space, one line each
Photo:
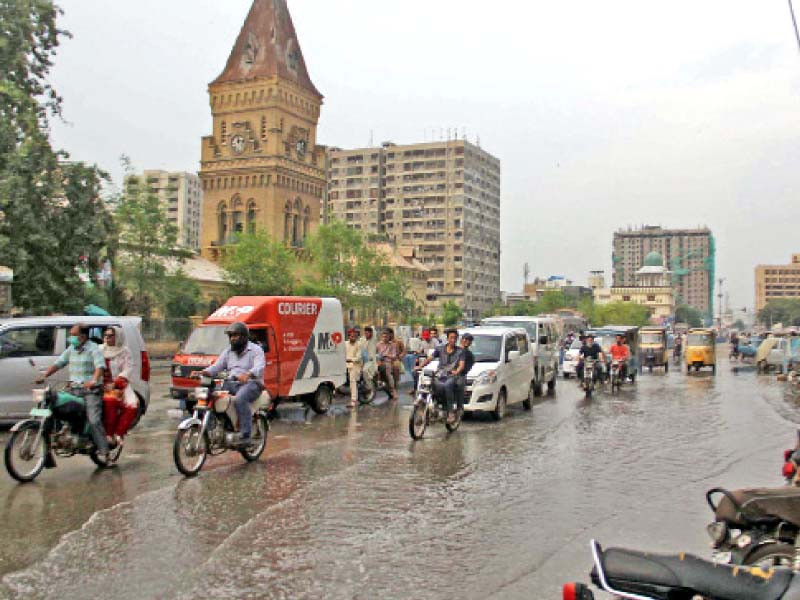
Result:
777,281
441,198
688,253
181,194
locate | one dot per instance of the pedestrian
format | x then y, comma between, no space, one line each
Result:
120,404
370,368
354,351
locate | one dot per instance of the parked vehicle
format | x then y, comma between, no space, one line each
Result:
302,340
212,428
572,356
779,353
28,346
57,427
748,348
543,336
654,348
757,527
648,576
367,390
429,409
701,350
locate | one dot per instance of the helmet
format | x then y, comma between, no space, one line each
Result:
238,328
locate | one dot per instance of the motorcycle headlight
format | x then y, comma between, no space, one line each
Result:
718,532
176,370
38,396
744,540
201,393
487,377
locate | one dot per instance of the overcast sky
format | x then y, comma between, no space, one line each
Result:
604,114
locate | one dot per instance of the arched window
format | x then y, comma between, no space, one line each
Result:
251,217
222,223
287,223
306,221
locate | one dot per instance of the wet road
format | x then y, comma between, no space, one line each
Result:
346,506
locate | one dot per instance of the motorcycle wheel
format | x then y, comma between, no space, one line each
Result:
322,399
113,456
259,439
190,450
451,427
366,394
771,555
23,461
588,390
418,422
666,367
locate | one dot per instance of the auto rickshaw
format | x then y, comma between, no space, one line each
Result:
653,348
701,350
607,335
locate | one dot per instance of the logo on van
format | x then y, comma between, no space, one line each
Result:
328,341
225,312
297,308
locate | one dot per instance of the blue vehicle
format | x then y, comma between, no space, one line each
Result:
749,349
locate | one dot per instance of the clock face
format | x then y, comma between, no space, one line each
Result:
237,144
301,148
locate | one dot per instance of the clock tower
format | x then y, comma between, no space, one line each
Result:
261,167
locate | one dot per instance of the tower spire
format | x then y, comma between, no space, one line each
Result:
267,47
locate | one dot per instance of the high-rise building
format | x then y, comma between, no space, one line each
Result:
261,167
441,198
688,253
181,195
777,281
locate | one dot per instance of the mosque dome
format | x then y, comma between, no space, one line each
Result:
654,259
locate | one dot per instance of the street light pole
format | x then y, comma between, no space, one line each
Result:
794,22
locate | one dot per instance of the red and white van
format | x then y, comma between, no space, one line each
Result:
303,340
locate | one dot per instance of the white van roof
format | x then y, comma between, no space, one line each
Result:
67,320
492,330
525,318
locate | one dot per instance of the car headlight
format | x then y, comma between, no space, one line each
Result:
176,370
486,377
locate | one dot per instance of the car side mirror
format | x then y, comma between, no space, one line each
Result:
543,340
513,355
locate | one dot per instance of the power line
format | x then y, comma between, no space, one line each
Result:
794,22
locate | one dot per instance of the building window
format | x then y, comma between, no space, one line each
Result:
251,217
222,223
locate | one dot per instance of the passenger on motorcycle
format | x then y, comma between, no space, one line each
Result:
244,361
622,353
390,354
451,366
590,349
86,364
469,361
120,404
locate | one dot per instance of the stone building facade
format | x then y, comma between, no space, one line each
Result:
261,167
777,281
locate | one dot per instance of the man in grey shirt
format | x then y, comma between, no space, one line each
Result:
244,361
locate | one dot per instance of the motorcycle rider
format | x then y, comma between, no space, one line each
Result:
370,368
451,365
677,347
590,349
389,360
622,353
469,361
244,361
86,364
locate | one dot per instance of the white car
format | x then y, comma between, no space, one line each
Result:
29,345
503,370
571,359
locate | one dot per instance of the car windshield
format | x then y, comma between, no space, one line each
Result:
651,338
486,348
697,339
528,326
209,340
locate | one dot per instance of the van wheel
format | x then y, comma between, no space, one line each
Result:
527,404
322,400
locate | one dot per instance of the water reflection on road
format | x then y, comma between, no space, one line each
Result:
348,507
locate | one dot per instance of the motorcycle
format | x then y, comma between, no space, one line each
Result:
757,527
211,430
427,409
589,376
735,354
57,427
616,375
646,576
367,390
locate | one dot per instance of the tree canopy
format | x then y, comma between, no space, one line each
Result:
686,314
256,265
781,310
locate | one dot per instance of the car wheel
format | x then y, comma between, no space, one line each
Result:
500,407
551,387
527,404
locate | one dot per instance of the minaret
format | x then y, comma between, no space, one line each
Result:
261,167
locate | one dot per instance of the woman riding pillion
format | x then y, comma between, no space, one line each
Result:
244,362
120,404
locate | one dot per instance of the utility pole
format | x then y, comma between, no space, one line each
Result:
526,271
719,303
794,22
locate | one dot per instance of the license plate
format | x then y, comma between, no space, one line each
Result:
41,412
722,558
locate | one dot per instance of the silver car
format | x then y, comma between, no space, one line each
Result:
28,346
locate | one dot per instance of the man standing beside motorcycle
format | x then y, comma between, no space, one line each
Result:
354,351
244,361
622,353
86,364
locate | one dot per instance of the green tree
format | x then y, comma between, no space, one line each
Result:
451,314
739,325
147,242
256,265
51,212
182,300
620,313
780,310
686,314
